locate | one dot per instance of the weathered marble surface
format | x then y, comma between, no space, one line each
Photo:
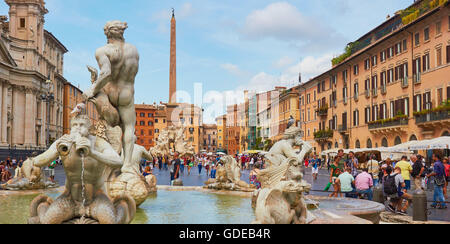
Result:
171,140
281,199
228,177
87,160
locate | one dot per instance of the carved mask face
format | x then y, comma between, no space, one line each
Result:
80,127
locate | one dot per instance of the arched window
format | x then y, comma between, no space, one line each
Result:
369,143
446,133
384,142
329,145
358,144
413,138
397,141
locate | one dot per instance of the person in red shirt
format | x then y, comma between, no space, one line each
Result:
447,174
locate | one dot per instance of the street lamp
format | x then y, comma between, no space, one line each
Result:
48,98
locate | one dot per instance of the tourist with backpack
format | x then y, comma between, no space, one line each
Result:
394,188
439,182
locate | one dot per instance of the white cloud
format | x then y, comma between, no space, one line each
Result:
309,67
283,62
231,68
283,21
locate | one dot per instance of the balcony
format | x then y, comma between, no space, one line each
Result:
417,78
323,111
322,136
375,92
397,124
433,119
343,129
404,82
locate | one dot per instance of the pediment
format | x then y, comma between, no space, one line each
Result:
5,56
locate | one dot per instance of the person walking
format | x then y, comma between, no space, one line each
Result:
447,175
353,164
439,182
406,168
373,169
335,172
315,164
417,172
200,165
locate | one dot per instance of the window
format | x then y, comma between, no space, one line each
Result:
22,22
416,66
142,123
150,115
439,96
367,115
405,45
344,75
426,34
356,89
439,56
383,78
383,56
417,104
356,118
448,54
426,62
390,75
375,83
390,52
367,85
374,60
142,133
356,69
142,115
417,39
398,48
150,123
344,93
438,28
156,120
367,64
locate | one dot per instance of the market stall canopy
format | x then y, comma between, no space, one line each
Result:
252,152
437,143
221,153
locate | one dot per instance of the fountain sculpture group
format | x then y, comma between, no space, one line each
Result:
103,182
281,199
228,177
171,140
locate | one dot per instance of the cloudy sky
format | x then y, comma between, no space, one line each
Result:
223,46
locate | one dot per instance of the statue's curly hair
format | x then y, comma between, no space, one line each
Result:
119,25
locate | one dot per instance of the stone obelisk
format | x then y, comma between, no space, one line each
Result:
173,60
172,117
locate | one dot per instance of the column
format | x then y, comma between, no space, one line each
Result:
44,123
1,106
4,113
29,117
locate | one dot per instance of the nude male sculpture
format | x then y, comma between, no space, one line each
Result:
283,149
83,195
119,64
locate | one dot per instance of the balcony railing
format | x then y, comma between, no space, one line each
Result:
432,116
383,89
417,78
322,111
404,82
388,123
375,92
323,135
342,128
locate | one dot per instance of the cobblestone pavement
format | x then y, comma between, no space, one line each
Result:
197,179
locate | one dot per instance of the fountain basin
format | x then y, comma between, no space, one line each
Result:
196,205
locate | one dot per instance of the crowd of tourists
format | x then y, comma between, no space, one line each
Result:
352,179
203,163
11,167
